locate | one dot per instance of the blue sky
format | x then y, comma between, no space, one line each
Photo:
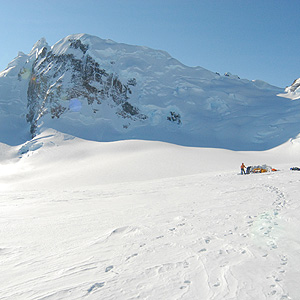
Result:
255,39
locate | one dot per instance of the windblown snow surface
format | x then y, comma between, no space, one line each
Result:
146,220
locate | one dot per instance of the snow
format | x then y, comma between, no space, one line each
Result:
146,220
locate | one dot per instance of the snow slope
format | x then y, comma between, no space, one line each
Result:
146,220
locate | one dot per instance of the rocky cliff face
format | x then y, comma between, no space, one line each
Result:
57,78
101,90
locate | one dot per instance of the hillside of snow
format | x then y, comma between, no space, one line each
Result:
146,220
101,90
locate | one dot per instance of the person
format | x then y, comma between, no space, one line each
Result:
243,169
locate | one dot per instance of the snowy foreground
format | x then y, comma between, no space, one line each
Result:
147,220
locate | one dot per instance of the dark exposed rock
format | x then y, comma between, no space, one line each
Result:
78,44
174,117
295,85
128,108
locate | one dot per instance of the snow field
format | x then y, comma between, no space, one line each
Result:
146,220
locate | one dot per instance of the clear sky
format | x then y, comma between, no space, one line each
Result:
255,39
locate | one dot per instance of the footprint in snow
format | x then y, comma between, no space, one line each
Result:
187,282
207,240
131,256
95,286
109,268
284,260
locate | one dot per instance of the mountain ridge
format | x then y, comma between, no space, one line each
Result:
102,90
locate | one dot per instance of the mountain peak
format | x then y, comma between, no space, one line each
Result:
41,43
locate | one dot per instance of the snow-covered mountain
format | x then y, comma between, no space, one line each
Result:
104,91
293,91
